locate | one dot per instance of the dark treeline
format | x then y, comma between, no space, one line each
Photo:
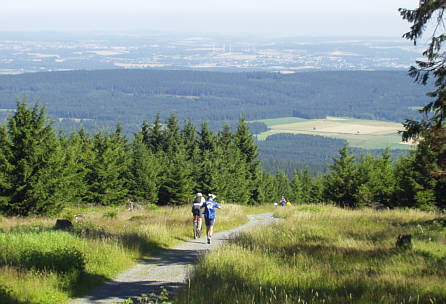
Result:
163,163
368,180
100,98
297,152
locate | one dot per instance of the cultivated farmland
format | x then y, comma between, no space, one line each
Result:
367,134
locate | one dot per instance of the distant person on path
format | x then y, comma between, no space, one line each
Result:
283,201
196,208
209,214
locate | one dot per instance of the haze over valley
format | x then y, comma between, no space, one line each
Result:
22,52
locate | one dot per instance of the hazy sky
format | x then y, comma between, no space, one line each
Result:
287,17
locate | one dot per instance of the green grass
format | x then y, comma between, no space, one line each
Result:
41,265
393,141
323,254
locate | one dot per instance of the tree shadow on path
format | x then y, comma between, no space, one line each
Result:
117,292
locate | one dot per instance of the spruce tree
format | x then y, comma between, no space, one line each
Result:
34,161
283,185
108,169
296,188
306,185
172,136
143,176
177,185
266,186
340,185
189,139
206,139
156,137
5,167
244,141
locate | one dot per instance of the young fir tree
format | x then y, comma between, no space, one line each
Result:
156,136
105,176
232,170
244,141
415,186
296,189
317,193
74,167
384,179
210,170
306,185
366,179
172,139
5,167
267,191
283,185
189,139
143,176
206,140
177,185
34,160
340,185
145,133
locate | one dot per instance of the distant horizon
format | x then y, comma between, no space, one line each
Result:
144,32
249,17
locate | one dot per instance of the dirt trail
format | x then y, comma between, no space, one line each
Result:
169,269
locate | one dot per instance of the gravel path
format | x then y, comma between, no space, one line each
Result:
169,269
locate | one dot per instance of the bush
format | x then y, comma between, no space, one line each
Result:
67,214
311,208
6,295
88,229
62,260
151,207
112,214
138,218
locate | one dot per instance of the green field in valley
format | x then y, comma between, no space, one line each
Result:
360,133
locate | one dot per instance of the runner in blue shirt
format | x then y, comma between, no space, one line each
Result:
209,214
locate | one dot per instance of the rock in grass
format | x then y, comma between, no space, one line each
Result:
63,224
404,241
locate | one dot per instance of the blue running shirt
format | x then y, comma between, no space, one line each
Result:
209,209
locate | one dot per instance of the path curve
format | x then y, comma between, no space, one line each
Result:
168,269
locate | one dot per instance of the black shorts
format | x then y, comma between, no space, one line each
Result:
209,222
197,211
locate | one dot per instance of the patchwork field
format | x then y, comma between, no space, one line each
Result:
366,134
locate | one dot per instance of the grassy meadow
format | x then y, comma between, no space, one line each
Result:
39,264
324,254
360,133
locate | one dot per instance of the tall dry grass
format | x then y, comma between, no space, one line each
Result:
41,265
324,254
